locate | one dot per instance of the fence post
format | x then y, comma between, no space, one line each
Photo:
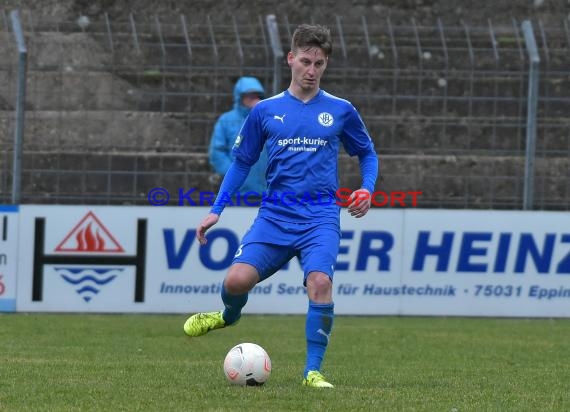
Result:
277,49
20,107
532,104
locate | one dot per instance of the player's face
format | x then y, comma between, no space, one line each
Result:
307,67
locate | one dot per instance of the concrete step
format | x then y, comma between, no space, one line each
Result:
190,132
470,181
112,131
124,89
444,181
98,50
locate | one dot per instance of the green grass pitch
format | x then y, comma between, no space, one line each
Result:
79,362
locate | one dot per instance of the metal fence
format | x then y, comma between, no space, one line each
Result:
115,108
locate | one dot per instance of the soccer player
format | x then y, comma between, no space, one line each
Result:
302,129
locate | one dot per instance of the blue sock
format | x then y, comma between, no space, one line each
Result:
318,327
233,305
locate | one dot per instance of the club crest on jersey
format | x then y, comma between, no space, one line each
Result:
326,119
238,141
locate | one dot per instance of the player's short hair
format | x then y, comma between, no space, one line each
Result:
307,36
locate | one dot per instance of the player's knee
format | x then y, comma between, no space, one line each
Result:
236,285
241,279
319,287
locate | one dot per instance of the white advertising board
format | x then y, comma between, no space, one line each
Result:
408,262
8,257
487,263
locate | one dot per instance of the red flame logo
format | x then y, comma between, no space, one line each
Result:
89,241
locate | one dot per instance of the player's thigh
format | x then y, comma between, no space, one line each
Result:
266,258
318,251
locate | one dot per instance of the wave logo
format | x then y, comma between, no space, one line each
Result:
88,281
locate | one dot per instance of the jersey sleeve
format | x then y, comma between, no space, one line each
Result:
234,178
369,166
355,137
250,139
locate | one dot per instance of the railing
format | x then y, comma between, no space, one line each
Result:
115,108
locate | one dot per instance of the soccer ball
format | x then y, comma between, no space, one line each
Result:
247,364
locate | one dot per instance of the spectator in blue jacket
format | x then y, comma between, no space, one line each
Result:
248,91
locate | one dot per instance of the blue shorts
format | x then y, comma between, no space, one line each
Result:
268,246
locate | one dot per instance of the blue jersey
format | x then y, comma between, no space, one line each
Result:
302,142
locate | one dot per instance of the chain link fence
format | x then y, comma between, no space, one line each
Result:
116,108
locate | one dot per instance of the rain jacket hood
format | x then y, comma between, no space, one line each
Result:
246,85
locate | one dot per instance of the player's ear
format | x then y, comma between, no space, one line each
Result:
290,58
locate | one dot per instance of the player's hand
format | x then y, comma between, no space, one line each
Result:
210,220
359,203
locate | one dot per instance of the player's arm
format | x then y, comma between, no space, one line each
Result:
360,199
233,179
357,141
